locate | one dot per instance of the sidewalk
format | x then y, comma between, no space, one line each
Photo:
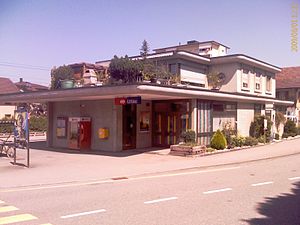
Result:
49,167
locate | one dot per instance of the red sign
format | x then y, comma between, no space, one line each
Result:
120,101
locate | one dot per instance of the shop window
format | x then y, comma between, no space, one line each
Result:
145,121
61,127
257,109
172,68
230,107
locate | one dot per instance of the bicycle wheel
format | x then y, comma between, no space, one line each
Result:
10,152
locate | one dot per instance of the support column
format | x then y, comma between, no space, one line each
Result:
49,134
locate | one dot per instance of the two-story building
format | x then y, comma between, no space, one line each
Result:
140,115
288,88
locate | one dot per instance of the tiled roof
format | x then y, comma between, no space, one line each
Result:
28,87
289,77
7,86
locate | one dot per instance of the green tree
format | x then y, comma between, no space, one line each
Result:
215,79
144,50
125,69
218,141
61,73
257,127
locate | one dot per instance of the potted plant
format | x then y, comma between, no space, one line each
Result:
62,77
215,80
188,147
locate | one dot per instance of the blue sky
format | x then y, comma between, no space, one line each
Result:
42,34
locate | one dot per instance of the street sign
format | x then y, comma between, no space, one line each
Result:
128,100
134,100
120,101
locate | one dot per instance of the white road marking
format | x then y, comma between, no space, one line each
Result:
294,178
218,190
83,213
160,200
263,183
8,209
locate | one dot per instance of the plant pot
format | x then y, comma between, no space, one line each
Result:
153,80
65,84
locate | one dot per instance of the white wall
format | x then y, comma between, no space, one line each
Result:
6,110
245,115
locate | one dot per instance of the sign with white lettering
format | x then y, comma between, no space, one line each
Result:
128,100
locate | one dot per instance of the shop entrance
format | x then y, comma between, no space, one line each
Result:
129,126
170,120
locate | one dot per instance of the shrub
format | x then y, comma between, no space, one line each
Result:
38,123
298,130
218,141
290,128
261,139
228,132
285,135
188,136
238,141
277,136
250,141
257,127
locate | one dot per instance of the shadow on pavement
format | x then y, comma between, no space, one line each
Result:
281,210
42,146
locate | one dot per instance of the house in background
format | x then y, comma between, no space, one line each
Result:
288,88
6,87
25,86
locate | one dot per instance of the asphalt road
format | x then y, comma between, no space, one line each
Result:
263,193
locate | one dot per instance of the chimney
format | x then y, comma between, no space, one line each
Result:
21,80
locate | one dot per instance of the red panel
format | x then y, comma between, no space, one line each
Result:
85,135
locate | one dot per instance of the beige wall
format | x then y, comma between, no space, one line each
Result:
245,115
6,110
231,74
103,113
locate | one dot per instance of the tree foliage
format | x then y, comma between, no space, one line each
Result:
38,123
144,50
279,118
60,73
215,79
257,127
125,69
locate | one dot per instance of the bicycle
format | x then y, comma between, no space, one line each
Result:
7,147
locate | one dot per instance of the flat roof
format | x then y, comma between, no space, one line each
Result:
192,43
147,91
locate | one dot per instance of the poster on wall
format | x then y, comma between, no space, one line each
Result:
61,127
21,131
145,121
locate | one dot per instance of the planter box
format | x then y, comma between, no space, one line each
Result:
183,150
65,84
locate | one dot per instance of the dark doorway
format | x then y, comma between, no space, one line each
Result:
129,126
171,118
